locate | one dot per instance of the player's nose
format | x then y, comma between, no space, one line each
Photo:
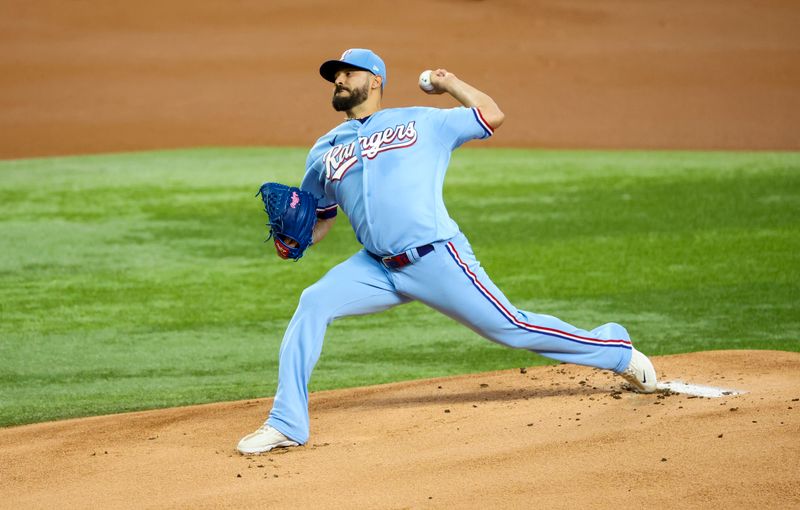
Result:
339,77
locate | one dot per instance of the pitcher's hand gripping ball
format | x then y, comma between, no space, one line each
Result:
292,214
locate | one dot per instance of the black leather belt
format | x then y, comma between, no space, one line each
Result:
405,258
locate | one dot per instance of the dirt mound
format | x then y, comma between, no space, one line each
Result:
561,436
93,76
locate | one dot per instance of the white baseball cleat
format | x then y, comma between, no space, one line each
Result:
263,440
640,373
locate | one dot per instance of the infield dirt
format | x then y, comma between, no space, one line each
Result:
552,437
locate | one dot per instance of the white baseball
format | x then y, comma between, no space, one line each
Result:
425,81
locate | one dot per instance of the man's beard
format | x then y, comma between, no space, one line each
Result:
346,103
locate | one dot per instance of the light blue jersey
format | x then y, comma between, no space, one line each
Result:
387,174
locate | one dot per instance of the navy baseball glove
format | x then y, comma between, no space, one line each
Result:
292,214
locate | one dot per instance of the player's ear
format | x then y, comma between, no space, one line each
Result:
377,81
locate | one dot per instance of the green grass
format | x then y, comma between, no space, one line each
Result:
137,281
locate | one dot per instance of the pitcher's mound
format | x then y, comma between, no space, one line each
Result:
560,436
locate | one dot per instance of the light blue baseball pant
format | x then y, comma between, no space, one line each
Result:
450,280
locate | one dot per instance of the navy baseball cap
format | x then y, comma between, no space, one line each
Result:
355,57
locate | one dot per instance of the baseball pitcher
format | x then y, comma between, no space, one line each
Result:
385,169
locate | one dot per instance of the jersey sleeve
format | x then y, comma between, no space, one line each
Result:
313,182
457,126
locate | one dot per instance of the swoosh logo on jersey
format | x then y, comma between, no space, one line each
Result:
333,142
